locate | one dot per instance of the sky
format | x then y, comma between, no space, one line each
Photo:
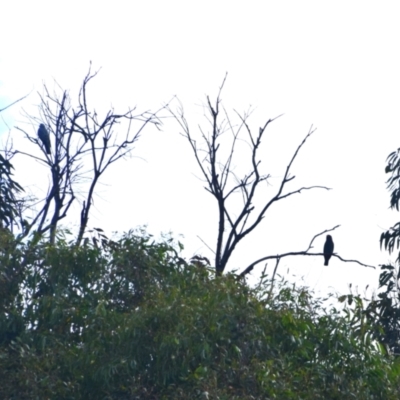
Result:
333,66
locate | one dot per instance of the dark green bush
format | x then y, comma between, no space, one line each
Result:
131,320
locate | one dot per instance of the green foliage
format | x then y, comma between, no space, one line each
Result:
9,189
384,311
131,320
391,238
393,168
379,318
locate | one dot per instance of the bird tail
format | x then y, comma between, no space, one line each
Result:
326,263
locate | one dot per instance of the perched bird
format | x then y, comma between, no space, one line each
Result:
328,249
44,137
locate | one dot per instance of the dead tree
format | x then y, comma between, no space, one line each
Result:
221,181
84,147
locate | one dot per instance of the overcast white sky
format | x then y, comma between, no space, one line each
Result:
332,65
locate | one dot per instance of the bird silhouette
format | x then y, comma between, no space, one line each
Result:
44,137
328,249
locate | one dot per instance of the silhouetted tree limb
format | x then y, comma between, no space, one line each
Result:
218,174
297,253
305,252
14,102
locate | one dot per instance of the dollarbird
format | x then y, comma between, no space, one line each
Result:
44,137
328,249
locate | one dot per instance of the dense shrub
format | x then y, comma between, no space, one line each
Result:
132,320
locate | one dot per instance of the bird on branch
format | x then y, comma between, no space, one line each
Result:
328,249
44,137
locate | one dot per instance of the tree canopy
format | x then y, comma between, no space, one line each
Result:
131,319
91,317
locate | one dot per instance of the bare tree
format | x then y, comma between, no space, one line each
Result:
85,145
222,182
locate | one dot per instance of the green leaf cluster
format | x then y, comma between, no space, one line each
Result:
130,319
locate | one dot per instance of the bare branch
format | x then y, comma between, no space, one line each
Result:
301,253
302,188
297,253
14,102
273,277
209,248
